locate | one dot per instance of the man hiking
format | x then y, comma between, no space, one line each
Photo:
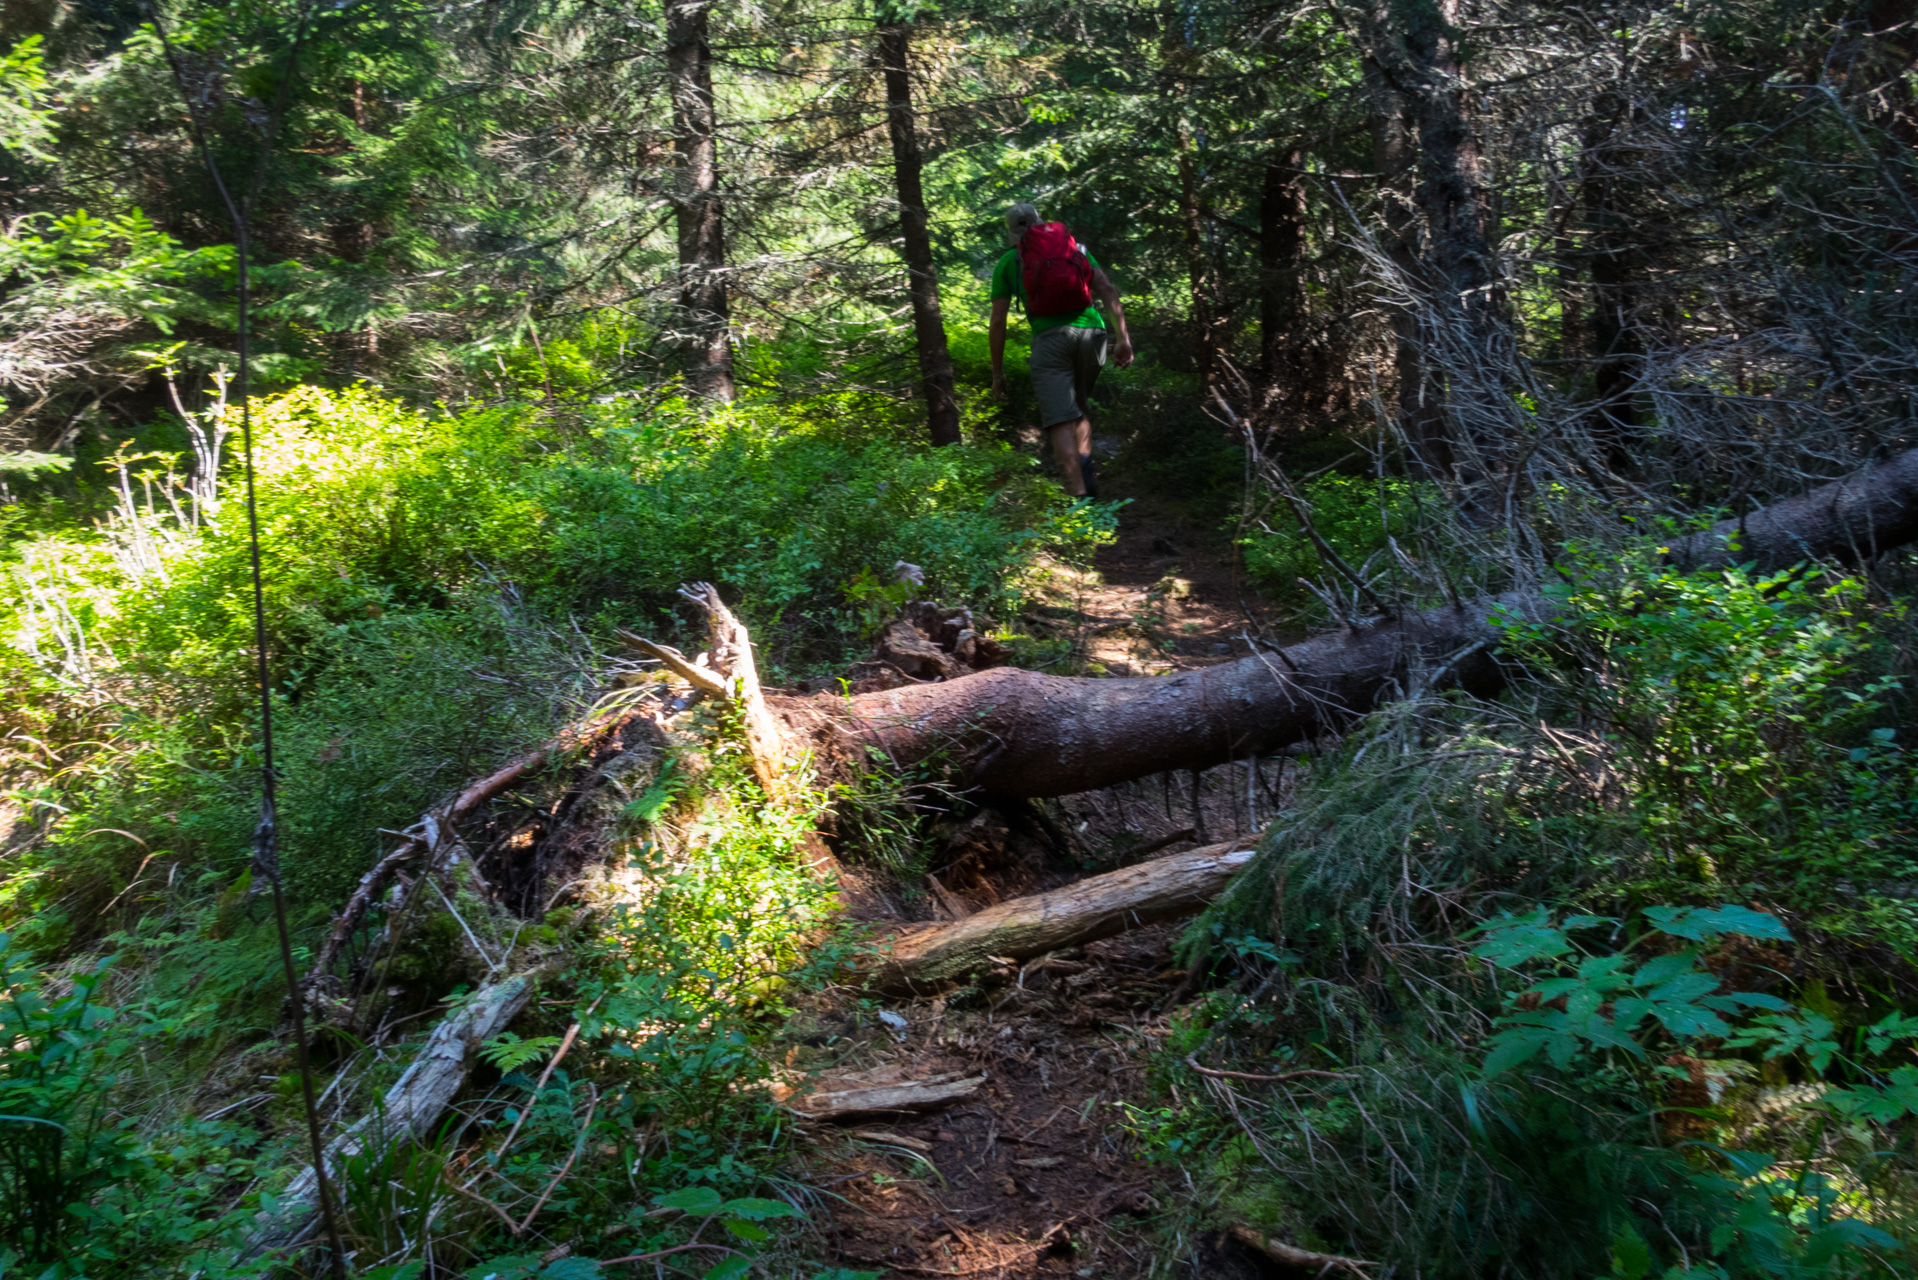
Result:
1056,279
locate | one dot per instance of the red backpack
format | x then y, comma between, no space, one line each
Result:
1056,271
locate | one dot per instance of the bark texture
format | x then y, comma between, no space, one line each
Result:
1437,221
1282,212
927,957
915,233
698,208
1849,521
1024,733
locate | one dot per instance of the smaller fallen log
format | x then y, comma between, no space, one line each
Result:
412,1106
923,958
862,1100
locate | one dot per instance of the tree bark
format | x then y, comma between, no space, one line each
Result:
1618,349
1281,263
1440,236
1024,733
922,280
927,957
698,207
1198,268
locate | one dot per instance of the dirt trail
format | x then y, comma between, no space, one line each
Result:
1035,1175
1165,596
1039,1174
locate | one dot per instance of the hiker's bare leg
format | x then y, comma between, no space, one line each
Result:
1069,440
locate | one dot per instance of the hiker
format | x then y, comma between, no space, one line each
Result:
1056,279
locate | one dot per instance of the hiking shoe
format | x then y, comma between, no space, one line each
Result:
1089,474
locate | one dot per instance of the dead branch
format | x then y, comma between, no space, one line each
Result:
1218,1073
412,1106
1293,1256
864,1101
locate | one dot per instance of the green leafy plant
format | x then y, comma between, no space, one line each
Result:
508,1052
1612,1000
58,1145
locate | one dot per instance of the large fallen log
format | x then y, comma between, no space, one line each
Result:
1024,733
926,957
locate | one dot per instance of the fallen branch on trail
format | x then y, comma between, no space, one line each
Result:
412,1106
857,1100
927,957
1024,733
1293,1256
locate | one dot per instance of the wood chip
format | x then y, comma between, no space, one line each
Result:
1041,1162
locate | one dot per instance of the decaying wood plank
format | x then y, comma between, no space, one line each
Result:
930,956
862,1102
412,1106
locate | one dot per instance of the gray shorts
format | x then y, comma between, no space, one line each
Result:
1065,364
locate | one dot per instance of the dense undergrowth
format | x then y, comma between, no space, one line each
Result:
1614,972
440,592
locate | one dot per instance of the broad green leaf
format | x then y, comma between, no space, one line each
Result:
731,1269
754,1209
1509,1050
1700,923
690,1200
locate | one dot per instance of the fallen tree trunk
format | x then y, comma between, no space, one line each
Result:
927,957
1024,733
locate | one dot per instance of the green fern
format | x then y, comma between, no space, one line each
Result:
509,1053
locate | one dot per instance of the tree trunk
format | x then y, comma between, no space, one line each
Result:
1198,267
698,208
1281,263
1440,237
1393,156
922,281
929,956
1023,733
1617,348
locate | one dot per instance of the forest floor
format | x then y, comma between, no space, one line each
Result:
1040,1173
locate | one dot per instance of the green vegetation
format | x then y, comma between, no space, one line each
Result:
1588,950
1587,1085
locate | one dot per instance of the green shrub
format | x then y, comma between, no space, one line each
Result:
1354,514
1748,716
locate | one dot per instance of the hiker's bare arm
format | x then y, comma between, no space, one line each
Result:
996,345
1108,297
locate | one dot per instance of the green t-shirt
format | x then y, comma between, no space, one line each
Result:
1009,281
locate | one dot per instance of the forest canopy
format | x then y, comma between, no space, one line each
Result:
542,654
